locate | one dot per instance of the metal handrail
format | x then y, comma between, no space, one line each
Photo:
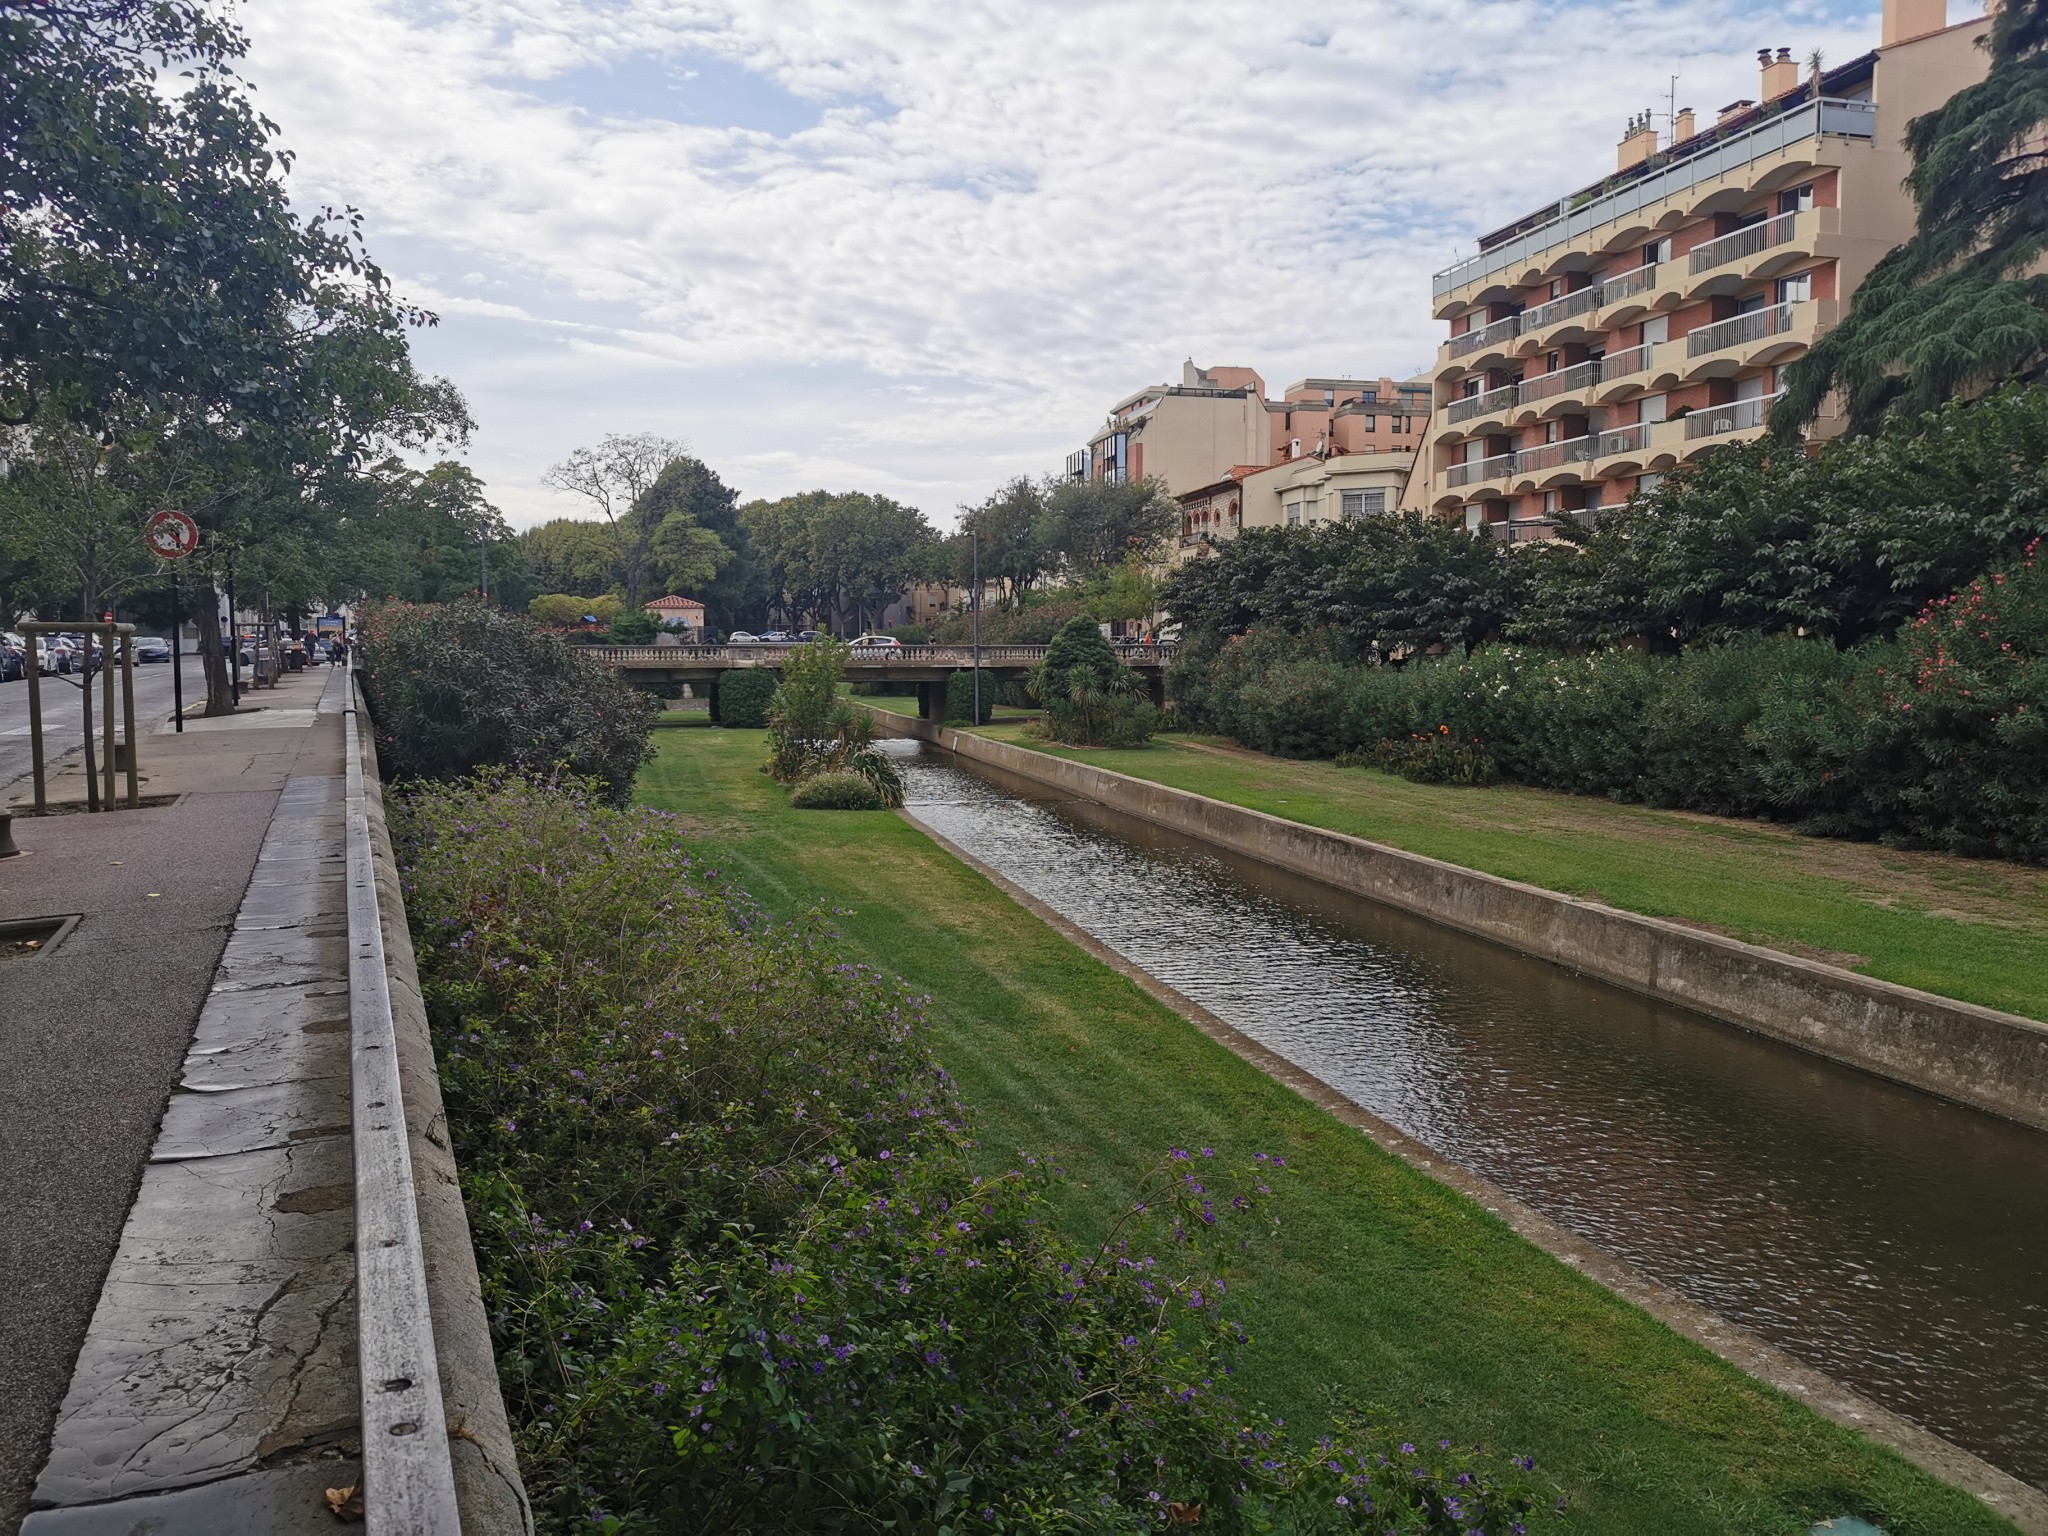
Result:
1738,329
1627,284
1562,307
1619,365
408,1480
1630,439
1472,471
1503,329
879,656
1559,381
1573,450
1743,242
1736,416
1688,167
1478,405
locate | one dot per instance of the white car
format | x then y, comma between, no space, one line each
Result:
876,643
741,637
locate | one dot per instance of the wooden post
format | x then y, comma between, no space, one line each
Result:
35,722
128,715
106,707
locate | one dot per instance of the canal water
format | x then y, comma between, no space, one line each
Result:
1893,1240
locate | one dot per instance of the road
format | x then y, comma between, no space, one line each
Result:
61,714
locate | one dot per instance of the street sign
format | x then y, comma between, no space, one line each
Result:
171,535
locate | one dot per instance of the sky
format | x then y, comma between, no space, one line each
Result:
918,247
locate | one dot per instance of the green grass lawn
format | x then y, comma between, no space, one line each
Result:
1379,1282
1974,929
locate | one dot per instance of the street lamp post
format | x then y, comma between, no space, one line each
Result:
974,605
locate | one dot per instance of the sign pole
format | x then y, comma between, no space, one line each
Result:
107,701
975,536
35,720
177,656
128,715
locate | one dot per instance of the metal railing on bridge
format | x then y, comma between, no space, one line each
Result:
1149,655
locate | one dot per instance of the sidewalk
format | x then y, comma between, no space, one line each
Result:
93,1034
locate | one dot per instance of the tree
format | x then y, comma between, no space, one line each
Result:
1959,306
1090,697
1017,535
1099,524
572,555
615,477
686,552
838,555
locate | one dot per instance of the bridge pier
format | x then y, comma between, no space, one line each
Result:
711,691
1155,686
931,701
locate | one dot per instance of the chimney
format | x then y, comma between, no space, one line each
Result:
1190,375
1780,74
1905,20
1733,109
1682,126
1638,144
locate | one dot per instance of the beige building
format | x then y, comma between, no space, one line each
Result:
1295,493
1194,433
1629,326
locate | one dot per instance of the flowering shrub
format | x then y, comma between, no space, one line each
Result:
1435,757
455,687
742,1273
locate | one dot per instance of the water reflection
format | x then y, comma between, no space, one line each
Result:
1895,1241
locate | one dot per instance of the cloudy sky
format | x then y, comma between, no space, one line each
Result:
919,246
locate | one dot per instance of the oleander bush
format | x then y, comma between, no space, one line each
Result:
836,792
813,730
1932,739
455,687
742,1274
743,697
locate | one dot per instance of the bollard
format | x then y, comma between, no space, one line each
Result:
7,848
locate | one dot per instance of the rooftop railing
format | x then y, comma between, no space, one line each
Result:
1681,168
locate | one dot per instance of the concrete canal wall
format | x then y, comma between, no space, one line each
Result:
1978,1056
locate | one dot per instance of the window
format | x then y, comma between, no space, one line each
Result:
1656,330
1294,514
1648,483
1796,289
1372,423
1657,251
1798,200
1750,303
1364,503
1329,397
1310,507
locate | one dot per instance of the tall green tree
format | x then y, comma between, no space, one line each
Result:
651,518
1098,525
1959,307
839,556
572,555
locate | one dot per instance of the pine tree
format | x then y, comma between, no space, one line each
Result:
1958,308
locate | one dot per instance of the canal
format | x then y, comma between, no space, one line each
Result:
1893,1240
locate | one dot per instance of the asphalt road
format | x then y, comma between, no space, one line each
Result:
62,717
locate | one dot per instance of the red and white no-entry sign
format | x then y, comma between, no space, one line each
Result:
171,535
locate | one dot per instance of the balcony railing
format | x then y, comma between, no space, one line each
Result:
1472,471
1740,329
1559,381
1560,309
1631,439
1619,365
1573,450
1486,336
1711,157
1715,420
1744,242
1479,405
1627,284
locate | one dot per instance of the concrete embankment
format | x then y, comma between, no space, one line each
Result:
1978,1056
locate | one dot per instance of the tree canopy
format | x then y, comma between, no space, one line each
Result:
1957,308
839,555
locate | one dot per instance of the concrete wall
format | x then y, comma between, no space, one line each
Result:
489,1494
1977,1056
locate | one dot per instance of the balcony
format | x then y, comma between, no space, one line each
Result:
1741,330
1491,402
1744,242
1723,420
1631,440
1543,316
1710,157
1476,471
1559,386
1554,456
1487,336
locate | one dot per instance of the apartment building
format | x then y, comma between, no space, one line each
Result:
1629,326
1192,434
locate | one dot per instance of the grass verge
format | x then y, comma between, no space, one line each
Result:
1973,929
1379,1280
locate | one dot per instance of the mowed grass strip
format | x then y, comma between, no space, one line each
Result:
1379,1281
1973,929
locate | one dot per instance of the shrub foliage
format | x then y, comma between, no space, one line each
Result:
459,686
1091,698
743,698
742,1273
812,730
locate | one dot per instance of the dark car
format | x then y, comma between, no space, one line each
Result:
149,648
13,661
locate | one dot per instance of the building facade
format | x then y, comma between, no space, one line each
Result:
1193,434
1630,326
1301,492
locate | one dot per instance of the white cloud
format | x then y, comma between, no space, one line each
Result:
992,218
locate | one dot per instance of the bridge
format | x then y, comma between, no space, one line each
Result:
665,668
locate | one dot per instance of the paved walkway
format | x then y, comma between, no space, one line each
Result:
93,1034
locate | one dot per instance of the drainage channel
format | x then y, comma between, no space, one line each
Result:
1895,1241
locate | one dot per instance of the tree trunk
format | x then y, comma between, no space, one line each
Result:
220,694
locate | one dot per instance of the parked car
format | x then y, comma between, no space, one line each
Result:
149,648
806,636
741,637
13,658
54,655
775,637
877,643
